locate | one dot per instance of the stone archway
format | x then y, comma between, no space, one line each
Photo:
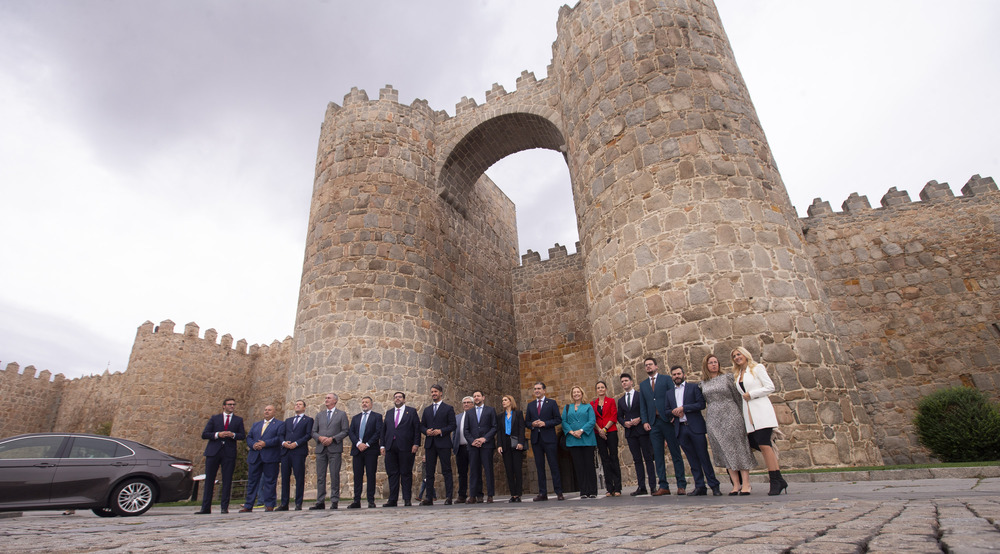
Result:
488,142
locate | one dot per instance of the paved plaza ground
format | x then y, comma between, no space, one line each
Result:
945,514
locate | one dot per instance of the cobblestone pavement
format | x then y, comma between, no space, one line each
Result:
929,515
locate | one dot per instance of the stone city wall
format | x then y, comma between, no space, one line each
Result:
30,402
88,404
914,288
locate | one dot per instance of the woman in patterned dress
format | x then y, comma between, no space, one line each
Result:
724,419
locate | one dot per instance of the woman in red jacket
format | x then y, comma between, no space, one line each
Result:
606,410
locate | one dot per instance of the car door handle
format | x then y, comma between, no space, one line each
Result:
45,464
119,464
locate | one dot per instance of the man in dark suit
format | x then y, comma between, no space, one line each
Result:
329,429
685,405
629,407
222,432
437,424
263,459
656,420
480,429
542,417
298,431
460,446
365,433
400,441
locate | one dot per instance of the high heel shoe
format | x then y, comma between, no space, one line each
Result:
742,493
778,483
734,493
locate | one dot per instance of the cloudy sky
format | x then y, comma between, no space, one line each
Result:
156,157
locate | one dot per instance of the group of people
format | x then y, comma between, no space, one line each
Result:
664,413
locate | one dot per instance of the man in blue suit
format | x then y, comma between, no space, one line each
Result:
298,431
365,432
400,442
655,418
480,429
437,424
685,405
629,410
542,417
222,432
264,439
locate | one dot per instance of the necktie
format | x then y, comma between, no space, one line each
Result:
329,415
479,413
264,428
398,411
435,409
364,421
538,410
296,422
628,400
226,426
652,383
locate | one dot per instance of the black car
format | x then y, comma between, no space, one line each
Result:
59,471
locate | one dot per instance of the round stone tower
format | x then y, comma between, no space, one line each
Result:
691,244
398,291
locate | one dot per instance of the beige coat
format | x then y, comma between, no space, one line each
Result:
758,413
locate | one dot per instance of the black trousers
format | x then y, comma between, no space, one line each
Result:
293,464
642,455
480,462
365,464
512,458
542,451
583,466
608,450
695,447
212,465
462,464
399,468
432,455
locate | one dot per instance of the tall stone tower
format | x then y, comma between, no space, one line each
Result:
691,244
689,240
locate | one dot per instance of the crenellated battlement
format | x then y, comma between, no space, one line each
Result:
13,371
932,192
556,253
211,336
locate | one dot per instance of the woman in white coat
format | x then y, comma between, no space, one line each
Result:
758,413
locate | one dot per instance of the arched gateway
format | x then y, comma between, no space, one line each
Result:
689,242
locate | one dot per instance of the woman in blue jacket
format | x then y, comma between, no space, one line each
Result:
578,425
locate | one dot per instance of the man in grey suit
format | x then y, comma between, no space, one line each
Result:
329,429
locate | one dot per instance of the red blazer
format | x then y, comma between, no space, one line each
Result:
610,413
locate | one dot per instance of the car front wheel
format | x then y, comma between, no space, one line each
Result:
132,497
103,512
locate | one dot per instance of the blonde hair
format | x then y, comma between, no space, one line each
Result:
513,403
583,395
750,362
705,376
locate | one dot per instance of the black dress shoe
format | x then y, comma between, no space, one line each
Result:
700,491
282,508
716,491
333,506
460,500
389,505
560,497
371,504
298,507
407,503
429,502
225,510
354,506
320,506
540,498
638,492
447,502
201,512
